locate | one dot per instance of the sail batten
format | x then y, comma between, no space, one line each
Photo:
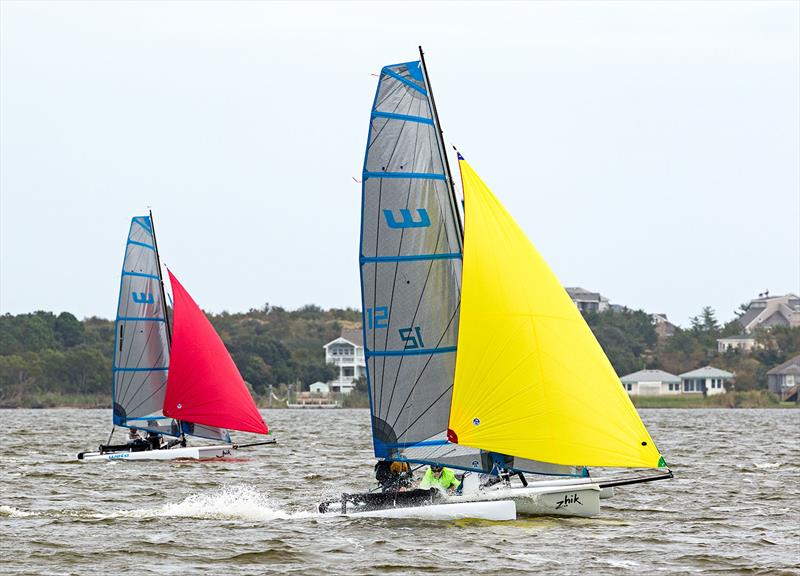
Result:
531,379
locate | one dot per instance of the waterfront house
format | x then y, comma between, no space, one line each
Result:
766,311
319,388
587,301
663,327
651,383
706,380
743,342
346,353
784,380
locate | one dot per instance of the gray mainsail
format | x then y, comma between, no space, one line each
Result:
141,348
410,270
410,261
141,341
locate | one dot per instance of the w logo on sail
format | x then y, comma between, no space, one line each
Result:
142,297
408,220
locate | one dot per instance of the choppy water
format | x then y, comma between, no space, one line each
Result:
733,508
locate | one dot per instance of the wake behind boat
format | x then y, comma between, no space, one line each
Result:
170,384
477,359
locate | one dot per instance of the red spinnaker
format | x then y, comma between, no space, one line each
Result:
203,384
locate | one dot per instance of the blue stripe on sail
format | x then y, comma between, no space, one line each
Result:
415,444
153,369
149,418
409,175
144,224
411,257
405,81
410,352
406,117
142,244
141,275
135,319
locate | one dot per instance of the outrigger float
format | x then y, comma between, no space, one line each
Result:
477,359
176,384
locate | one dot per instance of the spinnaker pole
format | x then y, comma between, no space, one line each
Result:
442,149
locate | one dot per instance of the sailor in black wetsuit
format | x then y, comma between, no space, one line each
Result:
135,442
393,476
155,440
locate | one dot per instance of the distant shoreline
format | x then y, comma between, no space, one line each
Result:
743,399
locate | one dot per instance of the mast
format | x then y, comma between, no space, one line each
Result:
164,300
442,149
161,282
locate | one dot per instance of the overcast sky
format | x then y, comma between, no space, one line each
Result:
651,151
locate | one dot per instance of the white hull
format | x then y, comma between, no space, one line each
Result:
495,510
193,453
580,499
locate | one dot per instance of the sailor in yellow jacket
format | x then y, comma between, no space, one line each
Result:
438,477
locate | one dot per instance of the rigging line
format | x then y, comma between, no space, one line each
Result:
399,248
151,329
419,377
153,393
392,91
414,317
385,124
446,390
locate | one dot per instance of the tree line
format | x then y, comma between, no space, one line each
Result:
48,359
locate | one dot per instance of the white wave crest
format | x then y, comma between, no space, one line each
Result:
230,503
11,512
767,465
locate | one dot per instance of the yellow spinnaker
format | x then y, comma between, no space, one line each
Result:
531,380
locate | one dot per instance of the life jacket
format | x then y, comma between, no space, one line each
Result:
446,481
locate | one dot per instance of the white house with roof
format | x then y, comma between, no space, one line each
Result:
651,383
319,388
766,311
706,380
346,353
743,342
587,301
784,380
